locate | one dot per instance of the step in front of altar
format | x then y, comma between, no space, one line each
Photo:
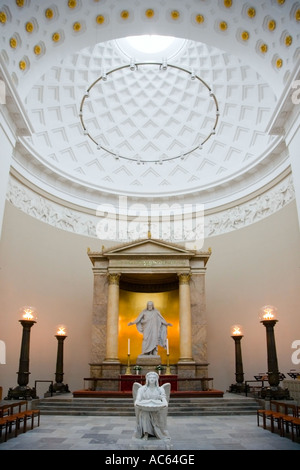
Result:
113,406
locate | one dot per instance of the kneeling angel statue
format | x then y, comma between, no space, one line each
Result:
151,408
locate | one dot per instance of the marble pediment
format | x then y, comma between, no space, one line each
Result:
148,255
148,247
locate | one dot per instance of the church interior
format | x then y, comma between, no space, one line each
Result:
149,152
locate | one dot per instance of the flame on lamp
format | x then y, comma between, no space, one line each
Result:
61,331
268,312
268,315
236,330
28,313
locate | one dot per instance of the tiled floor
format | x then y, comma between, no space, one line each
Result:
115,433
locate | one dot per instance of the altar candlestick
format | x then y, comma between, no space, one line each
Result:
128,371
168,370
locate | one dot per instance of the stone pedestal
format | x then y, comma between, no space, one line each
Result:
148,360
185,369
148,363
110,370
150,444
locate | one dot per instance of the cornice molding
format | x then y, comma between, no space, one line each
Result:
16,110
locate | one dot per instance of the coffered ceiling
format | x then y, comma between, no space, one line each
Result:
149,121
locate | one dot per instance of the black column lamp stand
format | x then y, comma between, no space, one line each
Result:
274,391
22,391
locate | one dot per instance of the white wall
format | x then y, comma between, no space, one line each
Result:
249,268
47,268
50,269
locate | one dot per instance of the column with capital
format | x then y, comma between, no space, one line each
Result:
112,332
185,318
98,344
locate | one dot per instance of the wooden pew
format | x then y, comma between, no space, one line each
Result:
8,420
14,414
281,413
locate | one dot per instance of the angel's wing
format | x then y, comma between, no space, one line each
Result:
167,389
135,388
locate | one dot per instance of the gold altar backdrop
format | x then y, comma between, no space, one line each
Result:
130,306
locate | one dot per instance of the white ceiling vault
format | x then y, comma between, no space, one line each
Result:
247,52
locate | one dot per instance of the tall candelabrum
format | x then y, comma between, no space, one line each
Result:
268,317
59,386
22,391
236,334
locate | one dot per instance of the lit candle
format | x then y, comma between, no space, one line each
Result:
167,346
128,346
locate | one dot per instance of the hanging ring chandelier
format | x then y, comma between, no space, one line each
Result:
139,157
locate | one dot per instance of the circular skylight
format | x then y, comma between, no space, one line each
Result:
150,47
150,44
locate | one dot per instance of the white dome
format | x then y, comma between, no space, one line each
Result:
150,122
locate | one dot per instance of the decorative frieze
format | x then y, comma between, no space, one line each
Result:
215,223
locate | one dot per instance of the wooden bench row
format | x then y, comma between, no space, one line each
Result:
285,415
12,415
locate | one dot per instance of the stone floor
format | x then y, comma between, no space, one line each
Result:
116,433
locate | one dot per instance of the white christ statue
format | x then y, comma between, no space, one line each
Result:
153,326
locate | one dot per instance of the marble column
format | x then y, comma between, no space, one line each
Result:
198,313
185,318
112,333
98,321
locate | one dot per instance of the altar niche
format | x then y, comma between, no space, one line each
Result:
125,278
131,304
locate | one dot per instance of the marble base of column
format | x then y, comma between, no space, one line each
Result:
185,369
111,370
96,369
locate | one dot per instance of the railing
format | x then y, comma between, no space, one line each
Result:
141,379
50,388
256,381
261,378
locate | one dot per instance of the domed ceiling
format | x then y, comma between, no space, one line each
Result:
187,121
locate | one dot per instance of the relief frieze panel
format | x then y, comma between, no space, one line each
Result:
215,223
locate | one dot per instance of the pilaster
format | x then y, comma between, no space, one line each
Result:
185,319
99,318
112,334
